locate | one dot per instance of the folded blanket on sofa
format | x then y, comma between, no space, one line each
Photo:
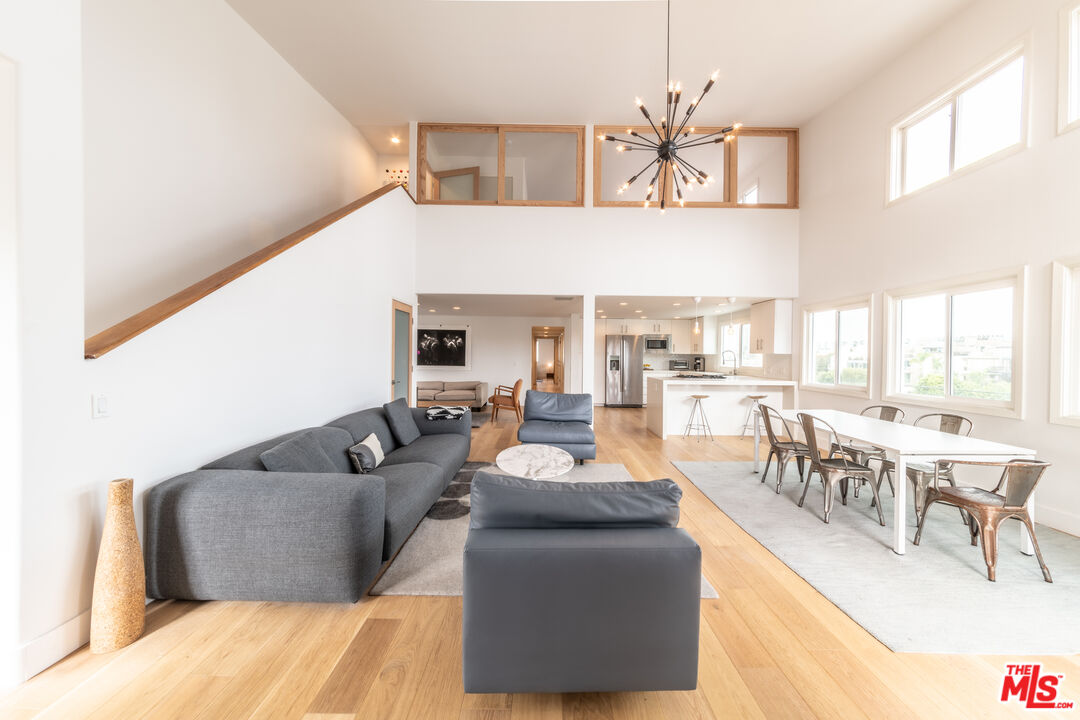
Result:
443,412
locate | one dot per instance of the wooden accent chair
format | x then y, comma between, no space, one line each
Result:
987,509
505,398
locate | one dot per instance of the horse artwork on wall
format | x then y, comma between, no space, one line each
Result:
442,348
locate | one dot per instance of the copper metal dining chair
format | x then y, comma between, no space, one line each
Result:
834,471
783,450
922,474
987,509
862,452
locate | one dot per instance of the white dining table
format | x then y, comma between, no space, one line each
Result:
903,443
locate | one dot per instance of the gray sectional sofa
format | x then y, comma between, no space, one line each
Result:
234,531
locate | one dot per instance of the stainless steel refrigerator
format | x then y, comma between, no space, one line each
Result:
625,355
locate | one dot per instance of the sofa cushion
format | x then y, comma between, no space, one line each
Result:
448,451
429,385
299,454
401,421
426,394
363,423
455,395
548,431
461,385
558,406
335,442
411,490
499,501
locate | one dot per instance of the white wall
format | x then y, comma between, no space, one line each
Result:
501,348
10,448
1020,209
202,145
43,39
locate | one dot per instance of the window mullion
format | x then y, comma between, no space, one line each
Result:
952,133
836,350
947,384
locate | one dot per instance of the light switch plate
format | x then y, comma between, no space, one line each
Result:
99,406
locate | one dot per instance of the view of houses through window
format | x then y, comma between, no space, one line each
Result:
839,347
957,344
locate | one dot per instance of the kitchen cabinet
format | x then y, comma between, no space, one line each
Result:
707,339
770,327
680,336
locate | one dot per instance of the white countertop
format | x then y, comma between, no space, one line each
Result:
733,380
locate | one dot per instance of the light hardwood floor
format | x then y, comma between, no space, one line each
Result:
771,646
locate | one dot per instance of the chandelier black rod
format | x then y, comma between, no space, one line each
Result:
690,165
616,139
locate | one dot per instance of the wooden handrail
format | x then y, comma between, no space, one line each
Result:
138,323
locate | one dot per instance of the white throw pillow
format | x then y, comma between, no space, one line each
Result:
376,447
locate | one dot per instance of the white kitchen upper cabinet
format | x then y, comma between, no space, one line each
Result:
770,327
663,327
710,336
680,336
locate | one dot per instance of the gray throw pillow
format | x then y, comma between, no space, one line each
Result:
300,453
401,421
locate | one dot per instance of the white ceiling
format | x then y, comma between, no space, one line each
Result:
664,308
499,305
612,306
383,63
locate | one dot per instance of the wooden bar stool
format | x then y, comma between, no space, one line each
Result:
702,426
751,418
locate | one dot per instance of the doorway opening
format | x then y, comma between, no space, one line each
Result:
401,351
548,356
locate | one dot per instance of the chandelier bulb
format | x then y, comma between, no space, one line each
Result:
694,101
601,137
638,102
736,126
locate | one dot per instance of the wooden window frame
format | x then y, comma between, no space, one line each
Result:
501,131
730,169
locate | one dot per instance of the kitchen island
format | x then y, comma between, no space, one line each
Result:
726,407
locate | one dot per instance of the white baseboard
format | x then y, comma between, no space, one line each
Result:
54,646
1062,520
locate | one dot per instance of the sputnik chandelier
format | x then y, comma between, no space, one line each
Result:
670,140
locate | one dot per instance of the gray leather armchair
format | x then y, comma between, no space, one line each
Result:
559,419
579,587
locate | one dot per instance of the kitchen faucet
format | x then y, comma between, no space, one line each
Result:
734,361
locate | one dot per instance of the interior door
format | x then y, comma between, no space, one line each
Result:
401,344
559,364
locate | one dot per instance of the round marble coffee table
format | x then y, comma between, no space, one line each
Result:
535,462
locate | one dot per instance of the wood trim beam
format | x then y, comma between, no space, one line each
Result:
139,323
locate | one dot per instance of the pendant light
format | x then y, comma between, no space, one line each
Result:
671,137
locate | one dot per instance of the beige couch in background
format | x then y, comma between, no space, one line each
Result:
435,392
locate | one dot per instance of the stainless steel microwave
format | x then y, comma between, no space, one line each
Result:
657,342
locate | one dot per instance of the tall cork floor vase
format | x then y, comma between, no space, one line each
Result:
119,605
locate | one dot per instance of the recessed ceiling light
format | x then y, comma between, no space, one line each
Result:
603,317
676,304
431,310
624,303
678,318
457,307
599,311
395,139
644,317
637,311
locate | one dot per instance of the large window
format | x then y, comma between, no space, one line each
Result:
747,358
501,164
983,116
1069,100
758,167
836,347
958,346
1065,344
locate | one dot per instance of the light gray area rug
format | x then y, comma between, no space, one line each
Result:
430,562
933,599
